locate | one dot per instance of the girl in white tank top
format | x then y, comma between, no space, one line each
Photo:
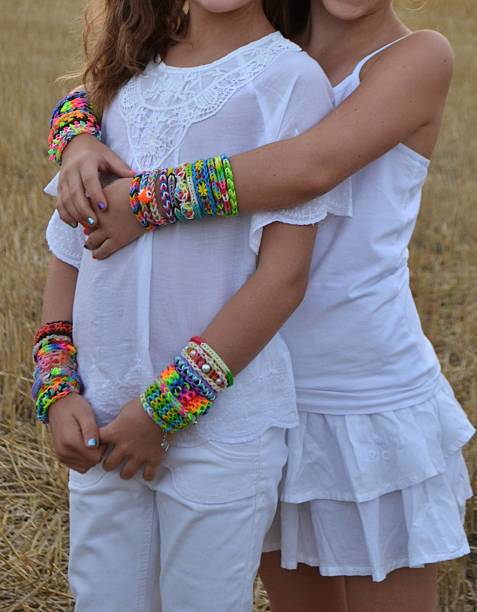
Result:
376,479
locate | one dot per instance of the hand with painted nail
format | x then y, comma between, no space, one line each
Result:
75,434
135,439
80,191
116,226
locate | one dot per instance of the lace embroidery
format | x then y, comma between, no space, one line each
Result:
160,105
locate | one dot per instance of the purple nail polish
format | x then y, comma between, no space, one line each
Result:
101,205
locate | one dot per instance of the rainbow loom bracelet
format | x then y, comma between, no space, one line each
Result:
212,192
72,116
55,374
186,193
186,388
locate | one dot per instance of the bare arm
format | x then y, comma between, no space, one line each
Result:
59,291
259,309
402,92
239,331
71,420
401,99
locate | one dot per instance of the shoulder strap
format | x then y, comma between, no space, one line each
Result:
366,59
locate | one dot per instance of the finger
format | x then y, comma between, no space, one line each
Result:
149,472
117,166
86,213
63,209
107,435
130,469
105,250
95,239
114,459
69,206
81,466
103,449
77,460
88,428
92,186
64,214
78,468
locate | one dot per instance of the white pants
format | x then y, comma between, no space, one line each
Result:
188,541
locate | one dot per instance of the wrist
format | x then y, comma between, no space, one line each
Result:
71,144
71,117
187,388
55,375
185,193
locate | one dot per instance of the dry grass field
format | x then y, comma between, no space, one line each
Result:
38,41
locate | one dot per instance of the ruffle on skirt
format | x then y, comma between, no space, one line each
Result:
366,494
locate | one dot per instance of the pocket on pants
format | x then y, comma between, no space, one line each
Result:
77,480
216,472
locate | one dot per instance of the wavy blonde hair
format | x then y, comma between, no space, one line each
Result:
121,37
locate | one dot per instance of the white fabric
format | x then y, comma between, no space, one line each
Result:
375,478
411,528
360,457
135,310
367,494
188,541
356,340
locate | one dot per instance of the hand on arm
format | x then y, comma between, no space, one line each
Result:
401,98
117,225
71,419
84,159
238,333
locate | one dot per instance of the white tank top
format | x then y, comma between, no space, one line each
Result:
356,341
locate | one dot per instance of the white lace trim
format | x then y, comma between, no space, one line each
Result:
160,105
337,202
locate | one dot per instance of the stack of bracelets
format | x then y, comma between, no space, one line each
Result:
185,193
73,115
187,388
157,197
56,374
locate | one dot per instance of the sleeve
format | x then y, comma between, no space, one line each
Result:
308,100
64,241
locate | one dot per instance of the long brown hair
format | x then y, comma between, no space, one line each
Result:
122,36
288,16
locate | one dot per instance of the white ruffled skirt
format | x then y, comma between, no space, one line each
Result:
367,494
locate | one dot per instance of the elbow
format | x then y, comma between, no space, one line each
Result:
316,180
293,288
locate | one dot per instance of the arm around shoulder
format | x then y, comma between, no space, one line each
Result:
403,90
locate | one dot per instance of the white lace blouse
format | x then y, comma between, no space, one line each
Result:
135,310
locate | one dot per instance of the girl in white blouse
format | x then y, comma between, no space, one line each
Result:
185,531
376,480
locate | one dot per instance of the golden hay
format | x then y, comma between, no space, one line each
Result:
38,43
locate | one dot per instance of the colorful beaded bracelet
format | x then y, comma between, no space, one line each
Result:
188,192
56,371
72,116
185,193
64,328
187,388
